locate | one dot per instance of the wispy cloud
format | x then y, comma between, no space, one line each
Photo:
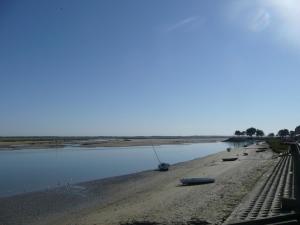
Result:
260,20
182,23
280,17
249,15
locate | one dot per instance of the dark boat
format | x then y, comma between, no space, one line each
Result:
196,181
261,150
230,159
163,167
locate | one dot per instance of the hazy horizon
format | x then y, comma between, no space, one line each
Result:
148,68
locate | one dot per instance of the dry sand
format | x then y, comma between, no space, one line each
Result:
146,196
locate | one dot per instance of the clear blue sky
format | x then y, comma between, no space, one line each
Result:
148,67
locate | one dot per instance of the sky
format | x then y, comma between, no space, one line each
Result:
115,67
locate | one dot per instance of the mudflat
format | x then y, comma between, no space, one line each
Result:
60,142
149,196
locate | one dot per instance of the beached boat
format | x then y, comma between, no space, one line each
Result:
163,167
196,181
261,150
230,159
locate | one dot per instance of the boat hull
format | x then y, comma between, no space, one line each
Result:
229,159
196,181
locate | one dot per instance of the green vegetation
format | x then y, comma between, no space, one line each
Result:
297,130
251,131
283,133
259,133
238,133
277,145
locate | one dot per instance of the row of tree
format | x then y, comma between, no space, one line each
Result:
291,133
259,133
250,132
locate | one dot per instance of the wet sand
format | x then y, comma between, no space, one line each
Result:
151,196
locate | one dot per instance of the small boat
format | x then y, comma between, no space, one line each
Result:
245,153
230,159
261,150
163,167
196,181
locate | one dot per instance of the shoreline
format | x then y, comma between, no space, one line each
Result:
144,196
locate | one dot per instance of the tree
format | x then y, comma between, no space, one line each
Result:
283,133
271,135
292,133
259,133
250,131
297,130
243,133
238,133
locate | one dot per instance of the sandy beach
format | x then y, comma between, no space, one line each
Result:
151,196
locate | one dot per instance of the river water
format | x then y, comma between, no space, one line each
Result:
35,169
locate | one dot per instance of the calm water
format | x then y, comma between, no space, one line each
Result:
30,170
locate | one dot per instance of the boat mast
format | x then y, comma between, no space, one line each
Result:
155,153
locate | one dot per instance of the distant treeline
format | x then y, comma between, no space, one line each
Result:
260,133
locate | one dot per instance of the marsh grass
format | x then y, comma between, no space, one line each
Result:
277,145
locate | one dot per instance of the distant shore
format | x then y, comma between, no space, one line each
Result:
61,142
152,196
